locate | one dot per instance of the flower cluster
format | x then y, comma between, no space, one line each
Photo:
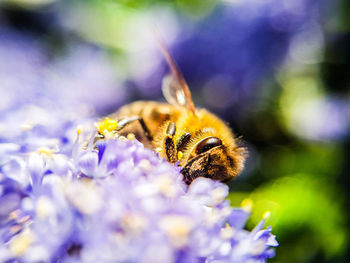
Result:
115,201
81,76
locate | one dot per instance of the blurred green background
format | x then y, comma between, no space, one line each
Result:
277,70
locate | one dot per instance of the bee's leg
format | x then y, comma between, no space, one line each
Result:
169,143
125,121
183,141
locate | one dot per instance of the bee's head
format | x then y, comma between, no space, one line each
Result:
212,159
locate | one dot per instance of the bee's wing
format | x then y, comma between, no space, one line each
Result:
174,86
172,91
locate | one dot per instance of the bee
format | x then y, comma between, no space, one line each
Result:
200,142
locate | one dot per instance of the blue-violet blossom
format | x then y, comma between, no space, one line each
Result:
115,201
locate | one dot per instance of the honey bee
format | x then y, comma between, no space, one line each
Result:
200,142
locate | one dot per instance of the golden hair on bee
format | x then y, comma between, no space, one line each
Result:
199,141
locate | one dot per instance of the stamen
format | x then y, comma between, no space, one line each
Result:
14,214
21,243
45,150
79,130
15,229
26,127
227,232
130,136
107,125
23,219
177,228
159,150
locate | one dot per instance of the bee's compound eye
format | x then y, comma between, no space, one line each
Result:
207,143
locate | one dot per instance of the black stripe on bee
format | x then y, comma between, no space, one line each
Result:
159,116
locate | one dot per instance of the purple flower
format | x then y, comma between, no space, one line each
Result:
43,96
122,204
82,77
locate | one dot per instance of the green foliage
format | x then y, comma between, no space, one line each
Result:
321,159
307,214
